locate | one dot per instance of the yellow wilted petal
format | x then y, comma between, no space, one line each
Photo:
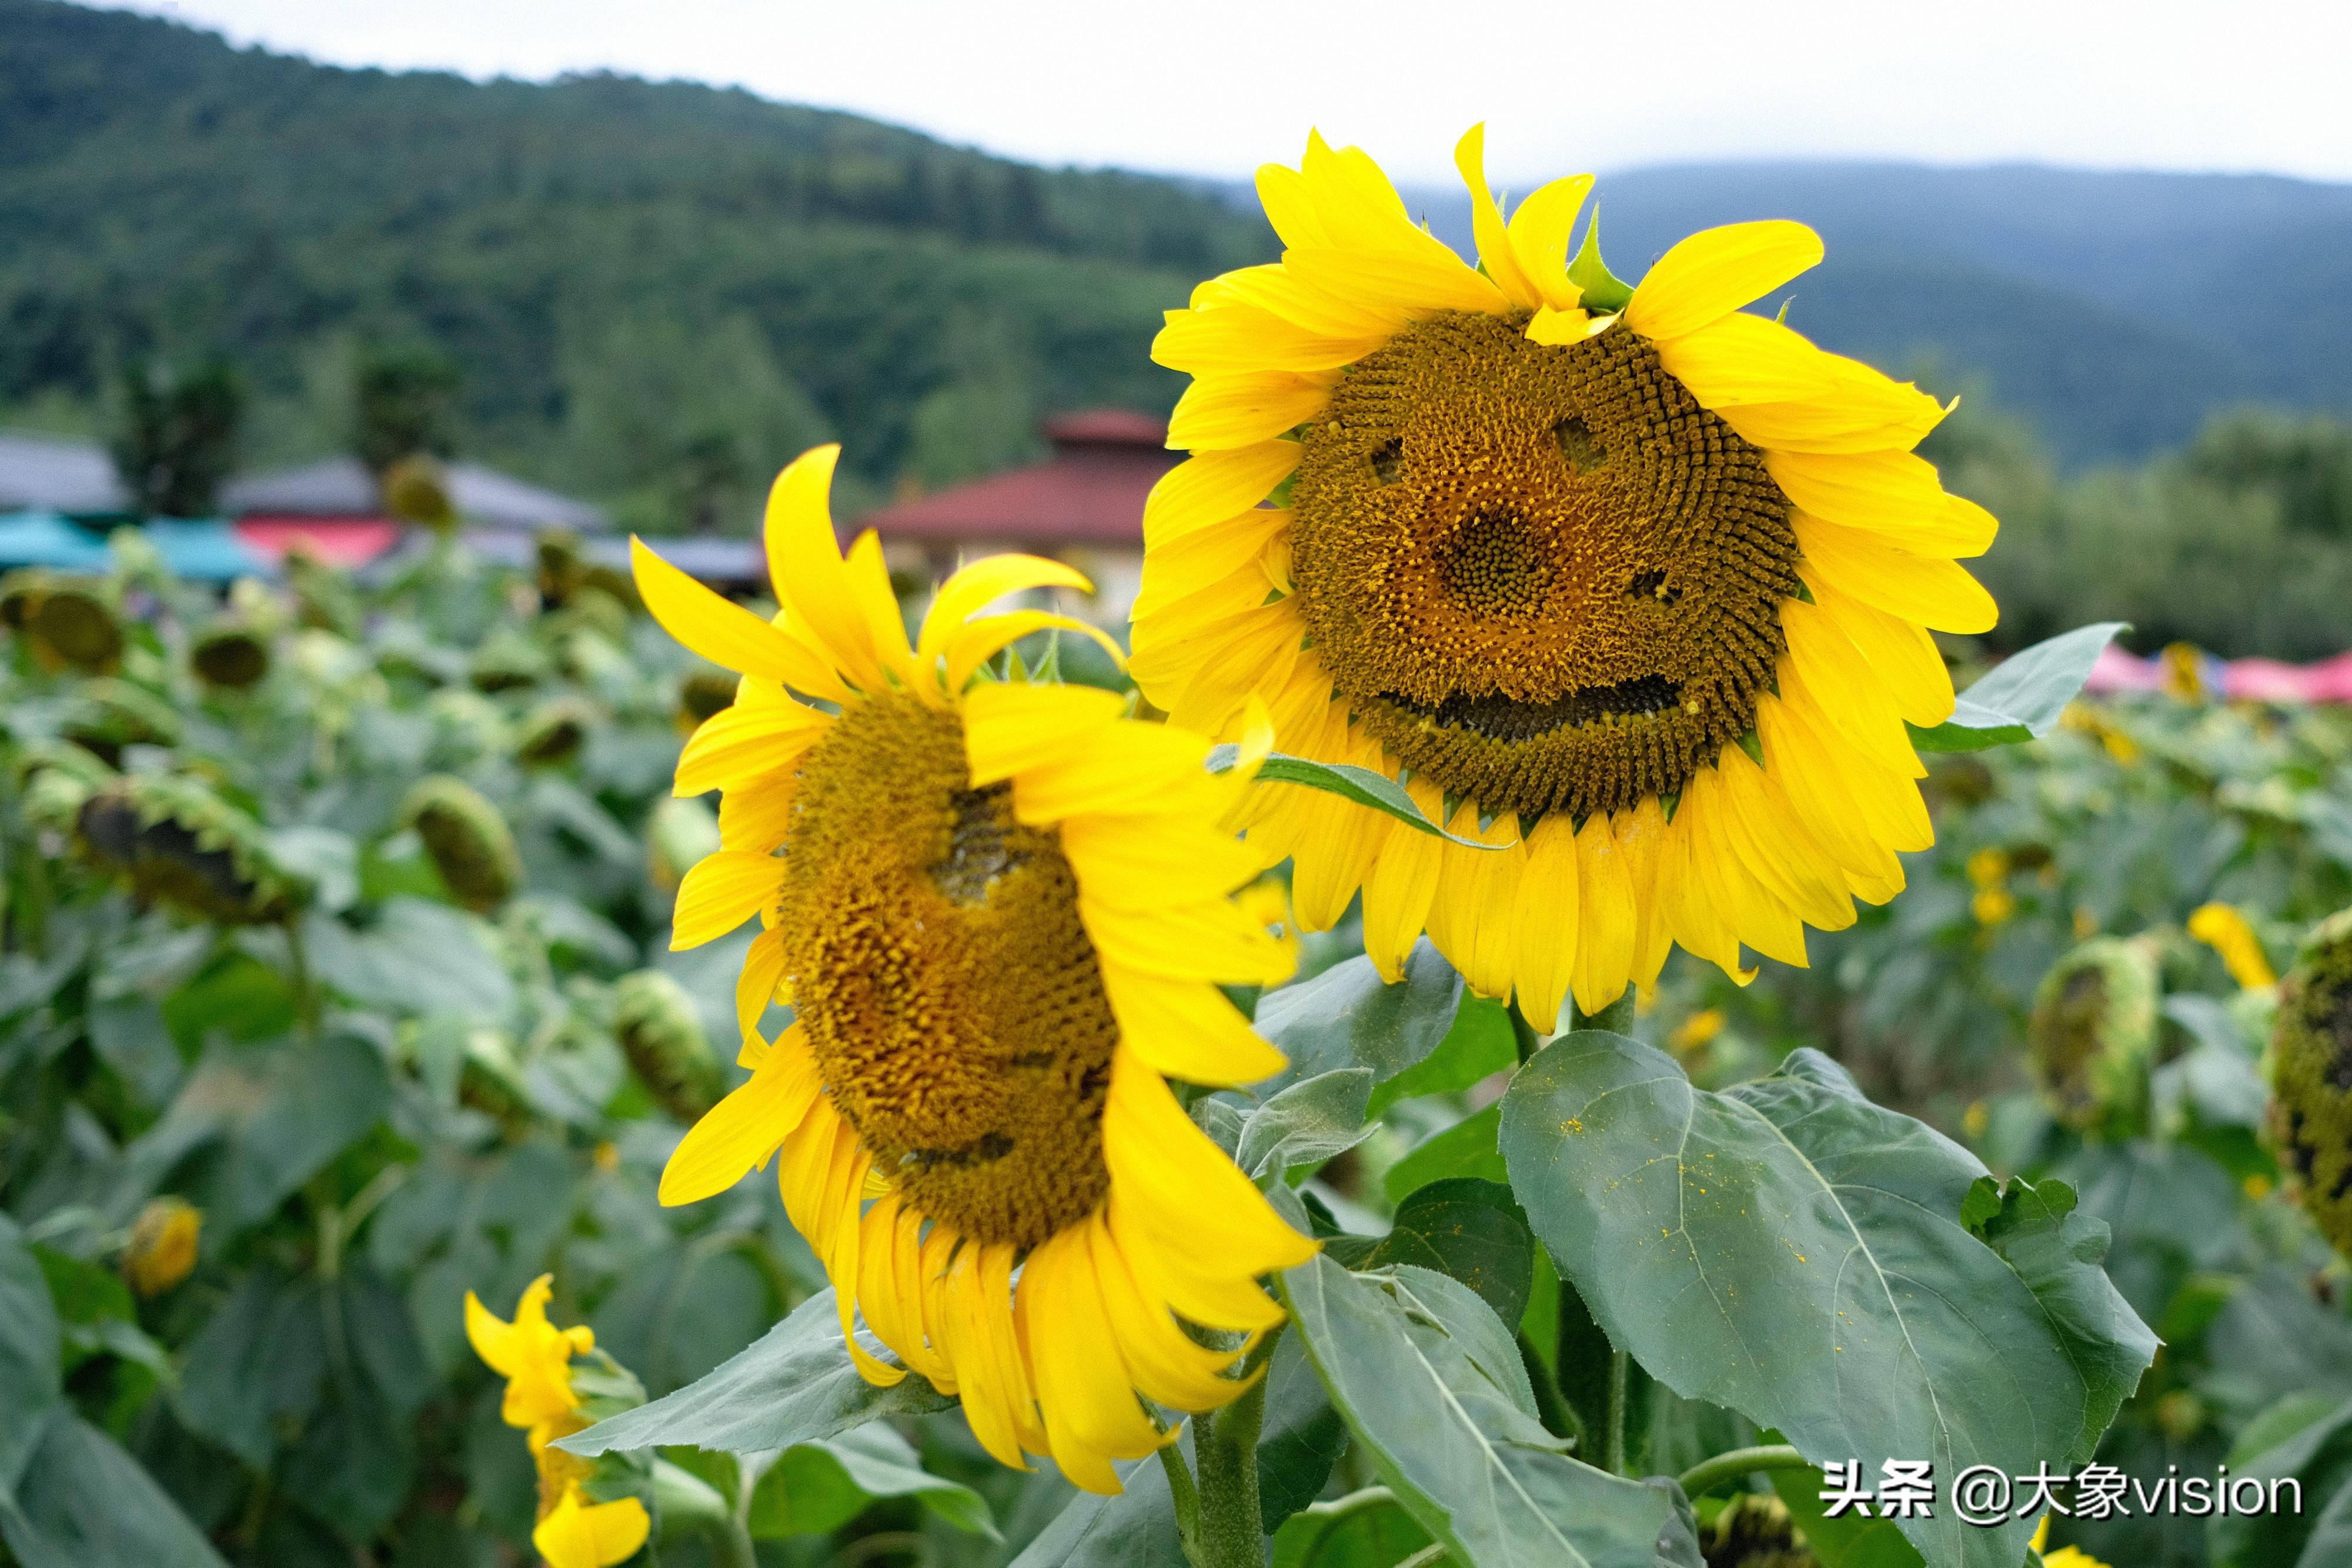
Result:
1715,272
1495,250
1540,231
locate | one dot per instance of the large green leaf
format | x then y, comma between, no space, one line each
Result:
1790,1251
1134,1529
29,1376
1468,1148
1429,1382
256,1362
1367,1529
281,1112
1479,1045
1463,1228
1848,1540
816,1488
416,957
2023,696
795,1385
2317,1460
85,1503
1346,1017
1306,1124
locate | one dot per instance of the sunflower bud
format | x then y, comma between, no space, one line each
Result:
505,661
553,733
230,654
416,491
701,693
562,566
1755,1532
2094,1033
176,842
678,833
162,1249
2311,1078
466,840
662,1036
70,622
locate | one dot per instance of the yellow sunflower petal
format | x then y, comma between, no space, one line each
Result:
981,584
1477,890
1606,918
1540,231
1213,487
719,893
1900,652
1168,1169
1715,272
755,987
1276,288
1168,1364
973,645
725,632
741,743
1639,833
1821,663
1187,1029
1216,942
577,1533
1424,281
1013,728
1547,921
756,814
1091,1413
877,603
997,1397
805,566
1402,887
1893,494
1233,339
1222,413
1496,253
746,1127
1739,359
1925,589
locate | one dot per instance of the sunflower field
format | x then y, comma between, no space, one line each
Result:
561,1065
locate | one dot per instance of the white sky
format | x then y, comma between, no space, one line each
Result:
1216,86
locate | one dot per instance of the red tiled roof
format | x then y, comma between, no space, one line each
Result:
1091,491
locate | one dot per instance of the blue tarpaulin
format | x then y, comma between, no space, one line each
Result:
44,538
202,550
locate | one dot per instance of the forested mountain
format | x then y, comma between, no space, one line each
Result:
634,277
654,288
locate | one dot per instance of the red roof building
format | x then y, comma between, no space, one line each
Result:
1082,505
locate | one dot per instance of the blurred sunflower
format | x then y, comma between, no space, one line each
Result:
1626,580
1001,917
535,1358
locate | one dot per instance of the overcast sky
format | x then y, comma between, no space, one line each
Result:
1216,86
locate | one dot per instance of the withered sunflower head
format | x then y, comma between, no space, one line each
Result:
2311,1078
175,841
553,733
662,1036
231,655
2094,1033
466,840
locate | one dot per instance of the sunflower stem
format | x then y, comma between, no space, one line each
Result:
1224,1444
1187,1500
1524,1035
1708,1474
1613,1427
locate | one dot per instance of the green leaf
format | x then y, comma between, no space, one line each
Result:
816,1488
284,1112
85,1503
1367,1529
1603,290
1134,1529
1479,1045
1347,780
1429,1382
1465,1228
795,1385
1790,1251
2318,1459
1347,1017
2023,696
261,1356
419,957
1301,1438
1306,1124
30,1381
1468,1148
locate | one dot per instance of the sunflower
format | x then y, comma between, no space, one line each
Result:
535,1358
1001,915
1627,584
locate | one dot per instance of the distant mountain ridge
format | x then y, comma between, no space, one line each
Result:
642,280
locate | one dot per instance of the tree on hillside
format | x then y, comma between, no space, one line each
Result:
175,435
404,402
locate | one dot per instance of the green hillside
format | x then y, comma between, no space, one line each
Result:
630,275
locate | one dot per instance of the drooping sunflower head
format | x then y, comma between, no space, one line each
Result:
2311,1078
466,840
1634,583
662,1036
173,841
230,654
2093,1032
999,912
1755,1531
